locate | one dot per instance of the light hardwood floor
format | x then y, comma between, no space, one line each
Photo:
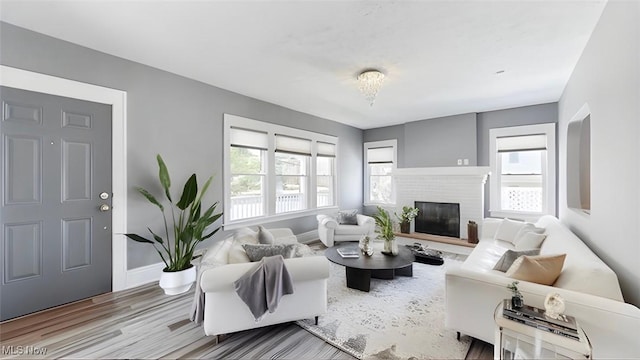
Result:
144,323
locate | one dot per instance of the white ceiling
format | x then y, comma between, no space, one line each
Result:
440,57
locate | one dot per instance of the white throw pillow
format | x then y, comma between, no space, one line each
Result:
236,252
218,253
508,229
265,236
529,240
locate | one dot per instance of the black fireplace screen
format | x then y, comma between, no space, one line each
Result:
438,218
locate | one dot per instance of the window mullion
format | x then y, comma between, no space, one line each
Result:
312,175
270,179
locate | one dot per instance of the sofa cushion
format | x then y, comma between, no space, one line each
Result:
510,256
256,252
237,254
349,230
217,254
508,229
348,217
265,236
539,269
529,240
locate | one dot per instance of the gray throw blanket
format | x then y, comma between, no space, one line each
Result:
262,287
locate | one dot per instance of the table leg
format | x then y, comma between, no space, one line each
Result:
405,271
359,279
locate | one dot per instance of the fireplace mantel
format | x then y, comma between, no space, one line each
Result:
463,185
444,171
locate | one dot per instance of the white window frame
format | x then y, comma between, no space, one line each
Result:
548,171
393,143
270,179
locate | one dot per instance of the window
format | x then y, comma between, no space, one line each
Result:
523,171
275,172
325,165
247,167
380,162
292,162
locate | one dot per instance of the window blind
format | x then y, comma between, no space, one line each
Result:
381,155
521,143
326,149
293,145
248,138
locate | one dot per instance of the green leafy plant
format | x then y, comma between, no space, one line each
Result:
514,289
384,224
189,222
408,213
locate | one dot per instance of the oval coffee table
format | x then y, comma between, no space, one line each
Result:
360,270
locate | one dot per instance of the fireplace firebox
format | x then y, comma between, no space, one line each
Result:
438,218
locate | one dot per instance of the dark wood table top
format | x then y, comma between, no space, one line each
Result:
377,261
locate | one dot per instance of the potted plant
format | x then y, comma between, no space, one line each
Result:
406,216
516,295
188,227
385,231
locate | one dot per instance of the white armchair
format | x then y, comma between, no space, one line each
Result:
330,231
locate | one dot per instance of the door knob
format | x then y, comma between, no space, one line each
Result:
104,207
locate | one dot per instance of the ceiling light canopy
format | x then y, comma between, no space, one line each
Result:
370,82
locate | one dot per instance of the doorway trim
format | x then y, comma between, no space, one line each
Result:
32,81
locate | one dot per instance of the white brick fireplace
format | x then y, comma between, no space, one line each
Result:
462,185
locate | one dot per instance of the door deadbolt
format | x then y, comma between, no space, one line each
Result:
104,196
104,207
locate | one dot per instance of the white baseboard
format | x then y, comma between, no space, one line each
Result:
144,275
308,236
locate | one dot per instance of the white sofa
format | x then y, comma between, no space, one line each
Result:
225,312
330,231
590,288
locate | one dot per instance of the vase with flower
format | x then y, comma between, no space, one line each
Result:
406,216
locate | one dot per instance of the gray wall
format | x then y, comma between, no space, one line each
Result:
177,117
607,79
440,141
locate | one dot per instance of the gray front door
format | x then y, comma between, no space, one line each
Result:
56,164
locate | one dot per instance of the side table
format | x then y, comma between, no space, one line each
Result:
514,340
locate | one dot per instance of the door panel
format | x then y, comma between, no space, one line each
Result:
23,178
23,251
56,243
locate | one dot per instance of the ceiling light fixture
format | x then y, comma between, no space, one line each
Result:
370,82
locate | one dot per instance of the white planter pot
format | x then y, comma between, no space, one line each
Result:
177,282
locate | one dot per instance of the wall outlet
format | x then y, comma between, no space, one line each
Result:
459,161
466,161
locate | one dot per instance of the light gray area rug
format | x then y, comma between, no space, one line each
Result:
401,318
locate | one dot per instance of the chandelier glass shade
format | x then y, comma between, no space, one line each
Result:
370,82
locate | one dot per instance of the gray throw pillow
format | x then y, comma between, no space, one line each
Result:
256,252
349,217
265,236
510,256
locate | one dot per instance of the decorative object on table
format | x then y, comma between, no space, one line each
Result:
538,318
385,231
366,246
554,305
349,252
406,216
429,256
472,232
190,225
516,295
